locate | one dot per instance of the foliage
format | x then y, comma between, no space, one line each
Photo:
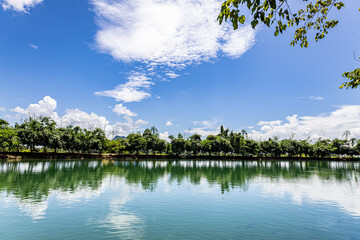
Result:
35,133
178,145
42,134
354,77
136,142
312,17
8,137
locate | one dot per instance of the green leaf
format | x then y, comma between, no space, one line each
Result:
273,4
235,25
254,23
277,31
242,19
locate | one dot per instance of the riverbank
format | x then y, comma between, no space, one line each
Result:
98,156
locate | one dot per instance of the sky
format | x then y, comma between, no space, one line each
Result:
124,66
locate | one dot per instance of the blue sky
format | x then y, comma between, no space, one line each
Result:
142,63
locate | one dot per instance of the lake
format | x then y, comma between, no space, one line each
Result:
179,200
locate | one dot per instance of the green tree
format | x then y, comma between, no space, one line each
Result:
8,137
56,140
98,140
47,130
238,142
223,132
194,144
136,143
206,146
270,147
356,148
30,133
3,123
150,138
160,146
178,145
219,144
68,137
252,147
322,148
305,148
339,147
289,147
117,146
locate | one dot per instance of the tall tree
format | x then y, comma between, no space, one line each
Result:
8,137
29,133
136,142
194,144
178,145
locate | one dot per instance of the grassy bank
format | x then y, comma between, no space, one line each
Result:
51,155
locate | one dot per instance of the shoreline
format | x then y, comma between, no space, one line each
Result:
18,156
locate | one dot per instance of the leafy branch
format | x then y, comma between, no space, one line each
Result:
278,13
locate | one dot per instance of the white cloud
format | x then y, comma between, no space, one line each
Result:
19,5
158,33
172,74
208,123
202,132
206,127
3,109
125,94
140,122
271,123
330,125
344,194
166,32
44,108
165,136
318,98
34,46
131,91
120,109
168,124
238,42
75,117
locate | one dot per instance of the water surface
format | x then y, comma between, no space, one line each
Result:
179,200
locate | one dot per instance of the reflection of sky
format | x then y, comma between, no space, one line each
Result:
25,167
119,219
38,167
346,194
204,163
34,209
37,209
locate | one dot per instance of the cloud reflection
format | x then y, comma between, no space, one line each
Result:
344,194
29,185
119,219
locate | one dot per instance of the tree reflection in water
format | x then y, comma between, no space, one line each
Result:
35,180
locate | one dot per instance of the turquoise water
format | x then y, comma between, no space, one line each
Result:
179,200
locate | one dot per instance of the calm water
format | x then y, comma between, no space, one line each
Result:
179,200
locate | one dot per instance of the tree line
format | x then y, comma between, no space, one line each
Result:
42,135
